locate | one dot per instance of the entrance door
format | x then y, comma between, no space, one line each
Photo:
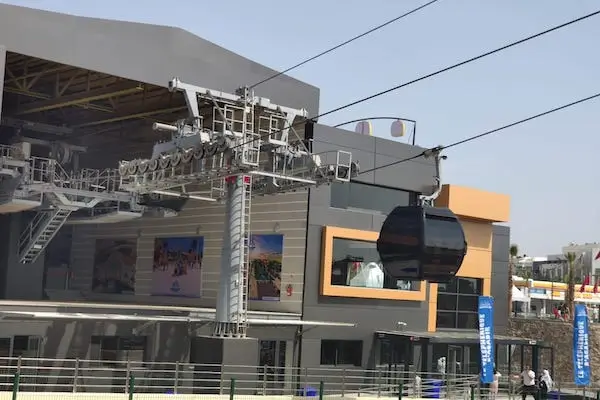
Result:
455,360
272,366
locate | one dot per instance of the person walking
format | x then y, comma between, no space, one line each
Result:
529,387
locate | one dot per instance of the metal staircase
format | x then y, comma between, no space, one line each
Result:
40,231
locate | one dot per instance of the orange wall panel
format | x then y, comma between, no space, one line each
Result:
474,203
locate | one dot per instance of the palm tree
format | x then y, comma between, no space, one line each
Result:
513,253
570,295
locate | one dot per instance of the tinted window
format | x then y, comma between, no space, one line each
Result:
367,197
356,263
458,302
341,352
444,233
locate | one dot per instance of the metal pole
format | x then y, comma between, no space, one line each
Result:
15,390
75,375
176,385
131,387
232,389
127,377
321,390
400,390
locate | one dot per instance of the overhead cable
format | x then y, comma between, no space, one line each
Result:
378,27
432,74
430,151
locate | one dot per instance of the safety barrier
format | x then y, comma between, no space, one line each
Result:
93,379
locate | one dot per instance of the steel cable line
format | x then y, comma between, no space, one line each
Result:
430,75
378,27
484,134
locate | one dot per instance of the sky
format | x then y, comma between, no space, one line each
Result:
543,165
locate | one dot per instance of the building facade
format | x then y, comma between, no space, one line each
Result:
125,292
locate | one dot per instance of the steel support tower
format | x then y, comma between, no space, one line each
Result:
230,148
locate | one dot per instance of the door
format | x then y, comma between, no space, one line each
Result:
455,360
272,366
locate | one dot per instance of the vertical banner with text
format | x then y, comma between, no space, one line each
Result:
486,338
581,346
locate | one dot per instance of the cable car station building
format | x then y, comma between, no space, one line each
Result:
107,280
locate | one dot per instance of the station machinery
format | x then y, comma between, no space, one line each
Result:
230,148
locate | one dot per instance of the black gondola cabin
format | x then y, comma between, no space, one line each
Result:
422,243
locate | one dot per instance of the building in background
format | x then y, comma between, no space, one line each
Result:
125,291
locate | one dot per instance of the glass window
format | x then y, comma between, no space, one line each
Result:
467,320
446,320
356,263
341,352
444,233
458,302
447,302
362,196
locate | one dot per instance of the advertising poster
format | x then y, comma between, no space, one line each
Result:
266,256
581,346
177,266
114,266
486,338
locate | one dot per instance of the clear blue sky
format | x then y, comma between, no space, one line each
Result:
546,166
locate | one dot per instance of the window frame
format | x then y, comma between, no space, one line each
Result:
338,345
456,295
348,186
327,289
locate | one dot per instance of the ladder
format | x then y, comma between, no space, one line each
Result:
244,273
40,231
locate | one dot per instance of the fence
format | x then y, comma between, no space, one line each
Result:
22,378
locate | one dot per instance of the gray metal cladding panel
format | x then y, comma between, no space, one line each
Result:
501,243
371,152
142,52
2,64
414,176
283,214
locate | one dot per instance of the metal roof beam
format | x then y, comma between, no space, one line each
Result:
81,98
125,117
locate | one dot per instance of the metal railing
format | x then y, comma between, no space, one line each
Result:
89,376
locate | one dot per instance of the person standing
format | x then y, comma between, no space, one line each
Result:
495,384
529,387
545,385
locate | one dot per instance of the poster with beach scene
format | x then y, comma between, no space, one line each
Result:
266,257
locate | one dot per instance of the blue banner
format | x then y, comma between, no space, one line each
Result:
581,346
486,338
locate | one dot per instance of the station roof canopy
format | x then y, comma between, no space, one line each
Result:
46,310
143,52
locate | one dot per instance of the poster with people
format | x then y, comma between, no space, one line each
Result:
266,257
177,266
114,266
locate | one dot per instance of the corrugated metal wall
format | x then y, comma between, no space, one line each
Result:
283,214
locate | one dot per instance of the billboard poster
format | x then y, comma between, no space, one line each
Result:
486,338
114,266
581,346
177,266
266,256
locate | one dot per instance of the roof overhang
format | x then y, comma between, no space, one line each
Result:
19,310
458,337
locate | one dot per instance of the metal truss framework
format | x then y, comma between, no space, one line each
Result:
230,148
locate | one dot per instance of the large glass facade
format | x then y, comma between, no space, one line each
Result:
457,303
364,197
356,263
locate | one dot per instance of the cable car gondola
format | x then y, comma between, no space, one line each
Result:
422,243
